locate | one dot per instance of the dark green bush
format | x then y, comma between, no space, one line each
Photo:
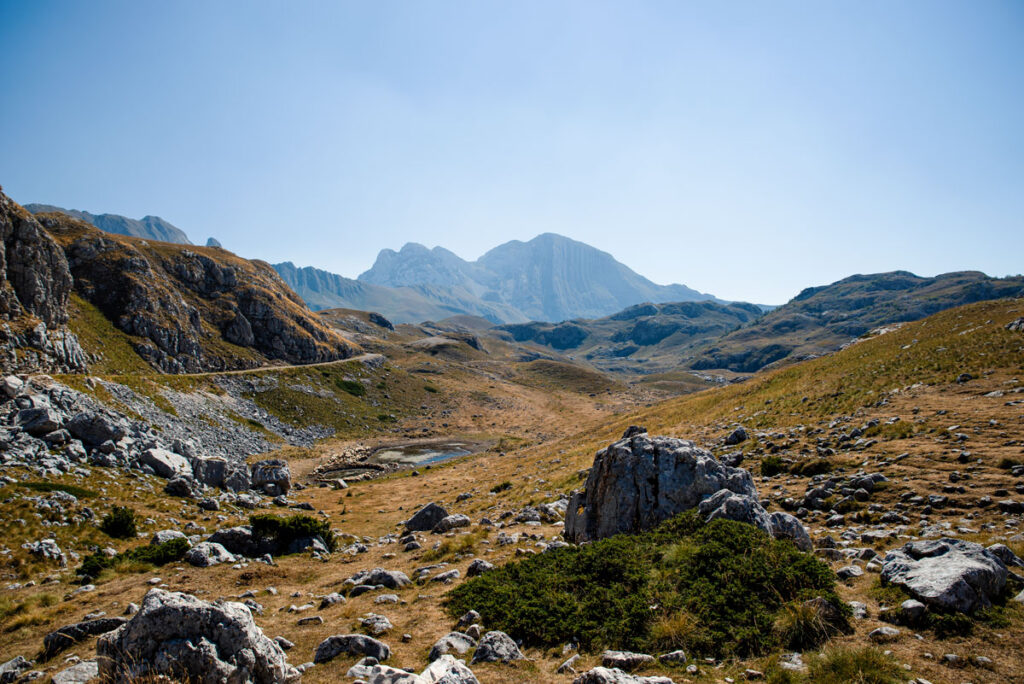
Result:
283,531
153,554
772,465
353,387
718,589
501,487
431,389
119,523
73,490
817,466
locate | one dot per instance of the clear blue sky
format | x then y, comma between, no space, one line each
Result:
747,149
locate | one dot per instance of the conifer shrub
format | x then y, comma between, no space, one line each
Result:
120,523
283,531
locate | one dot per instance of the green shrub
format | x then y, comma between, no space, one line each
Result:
431,389
817,466
855,666
353,387
120,523
73,490
501,487
772,465
717,589
283,531
1006,463
151,554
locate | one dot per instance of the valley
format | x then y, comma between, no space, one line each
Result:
203,395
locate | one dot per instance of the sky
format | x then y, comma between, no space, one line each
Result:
746,149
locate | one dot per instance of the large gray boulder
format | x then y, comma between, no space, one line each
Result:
949,573
166,463
351,644
218,472
95,428
179,636
729,505
79,673
272,476
453,642
426,518
204,554
786,526
639,481
497,647
39,421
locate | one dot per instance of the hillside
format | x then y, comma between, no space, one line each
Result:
822,319
182,309
642,339
148,227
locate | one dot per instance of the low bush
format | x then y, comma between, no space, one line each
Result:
817,466
120,523
148,555
283,531
716,588
772,465
501,487
353,387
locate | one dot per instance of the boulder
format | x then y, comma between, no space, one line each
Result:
69,635
786,526
46,549
164,536
737,436
639,481
181,637
478,567
183,486
739,507
79,673
604,675
497,647
204,554
165,463
351,644
218,472
448,670
12,669
271,476
379,577
453,642
426,518
451,522
11,386
241,541
625,660
950,573
95,428
39,421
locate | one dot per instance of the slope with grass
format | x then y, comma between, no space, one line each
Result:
821,319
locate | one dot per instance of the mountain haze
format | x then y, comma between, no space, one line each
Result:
148,227
549,278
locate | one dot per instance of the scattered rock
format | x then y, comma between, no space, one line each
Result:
949,573
453,642
205,554
351,644
625,660
425,519
497,647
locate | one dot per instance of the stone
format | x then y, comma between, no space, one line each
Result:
204,554
426,518
451,522
46,549
912,610
351,644
183,486
12,669
38,421
69,635
569,666
737,436
673,657
164,536
179,636
331,599
497,647
884,635
625,660
478,567
604,675
640,481
11,387
453,642
739,507
271,476
94,428
949,573
166,464
79,673
376,624
468,618
786,526
379,577
849,572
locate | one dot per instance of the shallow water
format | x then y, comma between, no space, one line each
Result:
408,455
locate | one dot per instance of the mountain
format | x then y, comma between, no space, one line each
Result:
641,339
821,319
549,278
180,309
148,227
325,290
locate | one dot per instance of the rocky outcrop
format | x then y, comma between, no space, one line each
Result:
497,647
186,639
35,284
639,481
948,573
192,307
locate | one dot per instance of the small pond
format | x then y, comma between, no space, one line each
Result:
404,456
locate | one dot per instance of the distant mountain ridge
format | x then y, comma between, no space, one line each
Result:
549,278
148,227
821,319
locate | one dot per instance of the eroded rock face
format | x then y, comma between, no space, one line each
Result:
950,573
182,637
639,481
